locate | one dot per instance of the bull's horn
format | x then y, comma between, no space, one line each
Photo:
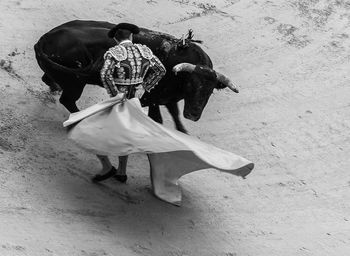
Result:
226,81
185,67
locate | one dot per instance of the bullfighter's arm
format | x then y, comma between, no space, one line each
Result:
156,72
107,75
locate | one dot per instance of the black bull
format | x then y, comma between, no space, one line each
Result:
71,55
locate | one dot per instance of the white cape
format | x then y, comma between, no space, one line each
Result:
113,127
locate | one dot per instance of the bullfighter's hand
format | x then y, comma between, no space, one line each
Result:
124,96
139,91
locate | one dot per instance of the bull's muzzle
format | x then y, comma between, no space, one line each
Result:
192,117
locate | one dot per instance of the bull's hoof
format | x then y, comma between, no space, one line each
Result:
121,178
184,131
54,87
181,129
99,177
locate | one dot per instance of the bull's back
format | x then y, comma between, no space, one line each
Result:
76,44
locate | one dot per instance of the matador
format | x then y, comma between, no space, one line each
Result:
131,69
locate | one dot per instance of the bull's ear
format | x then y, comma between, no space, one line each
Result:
205,71
220,86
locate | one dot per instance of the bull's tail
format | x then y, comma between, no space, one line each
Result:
43,61
47,64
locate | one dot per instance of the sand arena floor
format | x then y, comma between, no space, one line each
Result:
292,118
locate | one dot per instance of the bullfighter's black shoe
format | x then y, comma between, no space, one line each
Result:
121,178
99,177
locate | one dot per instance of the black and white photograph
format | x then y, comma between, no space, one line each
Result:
175,128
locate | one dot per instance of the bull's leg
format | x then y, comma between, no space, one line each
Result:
51,83
107,169
154,113
174,112
70,95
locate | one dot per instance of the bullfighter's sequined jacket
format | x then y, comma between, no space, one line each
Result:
127,64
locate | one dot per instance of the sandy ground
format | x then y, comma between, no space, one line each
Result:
291,118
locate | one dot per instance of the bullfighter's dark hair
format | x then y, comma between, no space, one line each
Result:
123,26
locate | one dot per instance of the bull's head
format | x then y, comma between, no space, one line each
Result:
202,81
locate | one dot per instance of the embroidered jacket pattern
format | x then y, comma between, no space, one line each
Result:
130,64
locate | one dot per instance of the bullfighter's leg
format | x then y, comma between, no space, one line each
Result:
71,93
107,171
174,112
121,172
154,113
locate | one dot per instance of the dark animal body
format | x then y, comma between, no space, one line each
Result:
71,56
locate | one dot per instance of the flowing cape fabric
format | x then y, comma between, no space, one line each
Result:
113,127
